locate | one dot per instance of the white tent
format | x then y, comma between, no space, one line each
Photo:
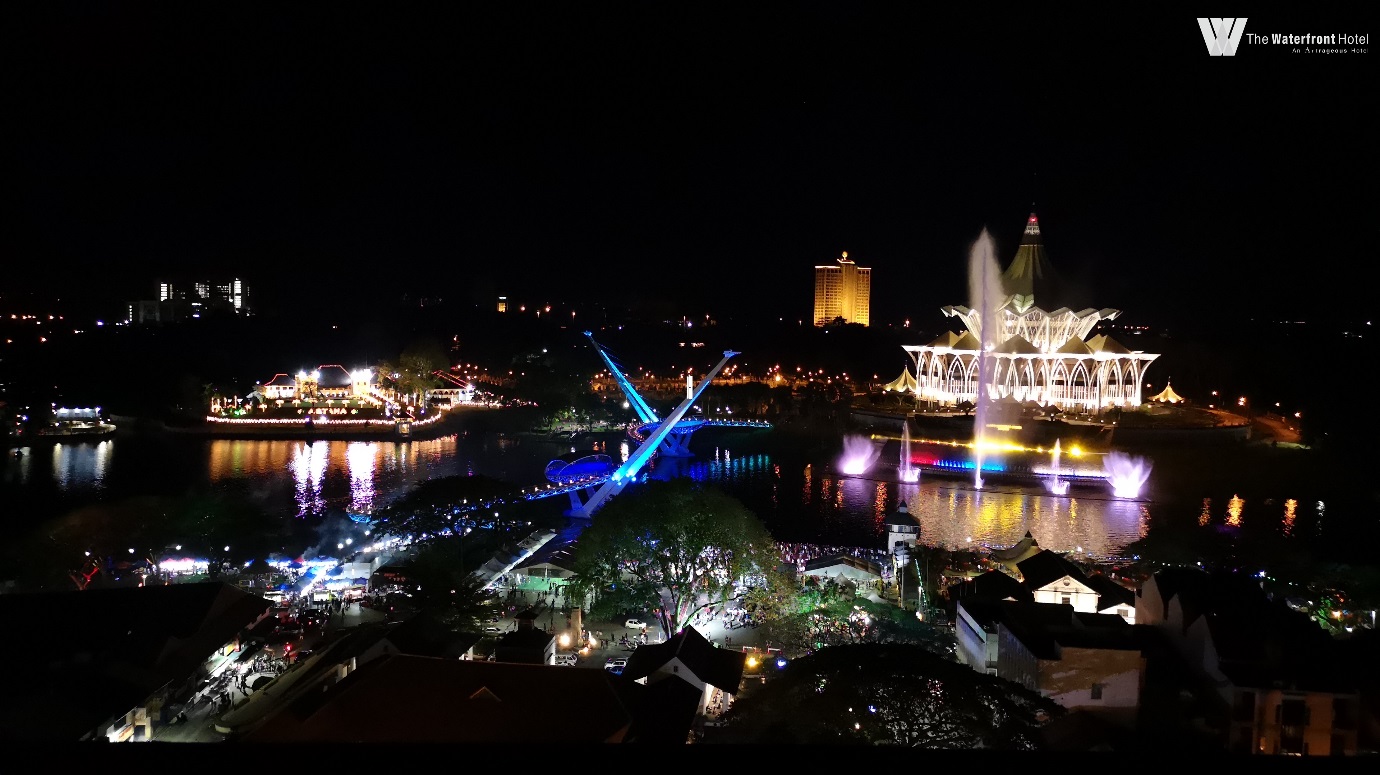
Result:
903,384
1167,396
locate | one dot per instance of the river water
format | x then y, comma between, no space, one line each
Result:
799,502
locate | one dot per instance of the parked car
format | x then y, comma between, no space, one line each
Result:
635,624
491,630
615,665
567,660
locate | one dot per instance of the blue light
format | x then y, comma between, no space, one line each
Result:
780,662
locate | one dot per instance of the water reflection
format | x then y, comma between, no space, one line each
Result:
999,518
852,511
356,476
308,466
362,456
1234,507
79,466
798,503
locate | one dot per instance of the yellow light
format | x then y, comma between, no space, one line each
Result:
752,661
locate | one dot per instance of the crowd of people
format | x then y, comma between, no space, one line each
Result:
799,555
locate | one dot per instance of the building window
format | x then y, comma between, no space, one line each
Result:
1066,599
1245,706
1343,713
1097,691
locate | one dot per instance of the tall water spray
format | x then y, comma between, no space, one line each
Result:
906,471
1056,485
1126,473
859,453
985,296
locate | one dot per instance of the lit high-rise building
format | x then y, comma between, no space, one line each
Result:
843,290
185,300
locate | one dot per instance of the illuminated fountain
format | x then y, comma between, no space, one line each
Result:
986,297
907,472
1126,473
859,453
1056,485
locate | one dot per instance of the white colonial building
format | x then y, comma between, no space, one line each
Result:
330,381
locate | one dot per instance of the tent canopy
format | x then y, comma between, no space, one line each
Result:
1167,396
903,384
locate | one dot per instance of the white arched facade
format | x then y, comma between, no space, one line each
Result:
1090,382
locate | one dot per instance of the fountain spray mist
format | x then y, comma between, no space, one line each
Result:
985,296
1056,485
859,453
907,472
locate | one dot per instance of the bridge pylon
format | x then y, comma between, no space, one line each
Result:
630,468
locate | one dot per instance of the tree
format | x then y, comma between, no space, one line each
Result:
676,546
414,371
430,506
446,588
889,694
831,614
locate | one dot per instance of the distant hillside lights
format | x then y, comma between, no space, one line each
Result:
183,301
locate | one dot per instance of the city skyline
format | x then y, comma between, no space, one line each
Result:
639,156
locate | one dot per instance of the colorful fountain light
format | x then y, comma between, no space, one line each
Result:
859,453
1126,473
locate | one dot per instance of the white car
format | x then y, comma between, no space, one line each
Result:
492,631
568,660
635,624
615,666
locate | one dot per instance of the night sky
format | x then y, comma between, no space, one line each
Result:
708,154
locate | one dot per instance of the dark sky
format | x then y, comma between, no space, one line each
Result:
710,154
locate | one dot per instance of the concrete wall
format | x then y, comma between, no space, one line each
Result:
1082,598
977,648
1069,680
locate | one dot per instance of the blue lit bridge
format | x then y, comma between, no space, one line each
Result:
676,441
590,478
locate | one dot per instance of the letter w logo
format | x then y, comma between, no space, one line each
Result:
1222,35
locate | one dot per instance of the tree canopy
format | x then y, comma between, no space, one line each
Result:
414,370
833,614
445,586
888,694
430,506
677,547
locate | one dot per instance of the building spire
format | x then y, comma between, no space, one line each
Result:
1032,224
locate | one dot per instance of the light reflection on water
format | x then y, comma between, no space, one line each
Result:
799,503
76,466
852,511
